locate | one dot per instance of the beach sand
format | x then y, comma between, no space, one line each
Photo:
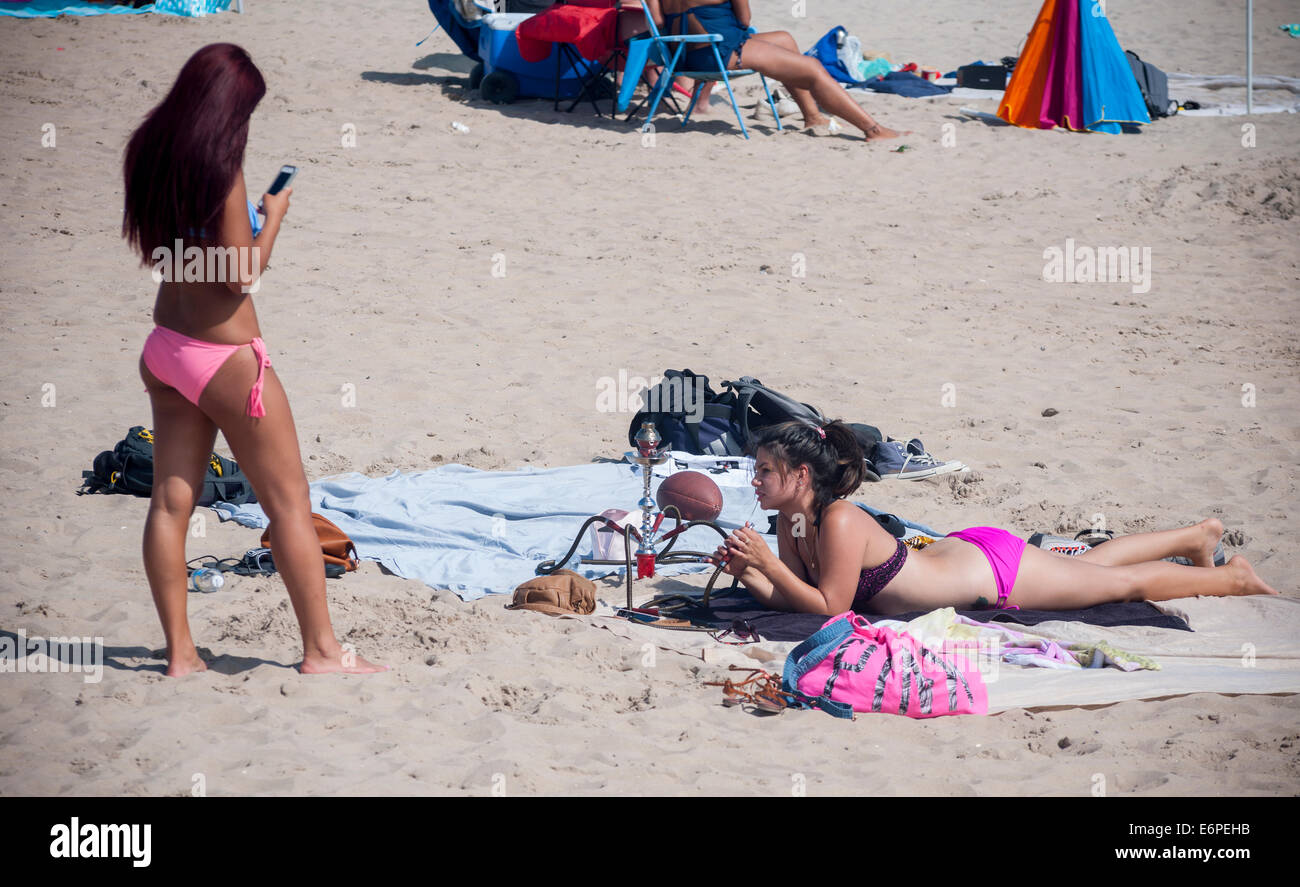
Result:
922,309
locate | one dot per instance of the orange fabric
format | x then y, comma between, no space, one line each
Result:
1022,103
336,547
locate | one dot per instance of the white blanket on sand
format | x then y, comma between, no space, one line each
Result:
1219,95
1237,646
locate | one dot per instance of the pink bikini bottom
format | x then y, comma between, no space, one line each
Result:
188,364
1003,551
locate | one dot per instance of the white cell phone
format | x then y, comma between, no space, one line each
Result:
282,180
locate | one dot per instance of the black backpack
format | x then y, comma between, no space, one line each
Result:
690,416
128,468
755,406
224,482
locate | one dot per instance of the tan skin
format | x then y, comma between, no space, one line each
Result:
817,571
775,54
266,449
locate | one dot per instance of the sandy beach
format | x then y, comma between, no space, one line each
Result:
440,297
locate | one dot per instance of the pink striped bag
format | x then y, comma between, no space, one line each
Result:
851,665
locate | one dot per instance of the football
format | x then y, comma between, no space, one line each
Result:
694,494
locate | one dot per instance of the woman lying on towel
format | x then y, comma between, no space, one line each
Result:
772,53
205,365
835,557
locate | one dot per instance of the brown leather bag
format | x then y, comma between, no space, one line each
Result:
557,594
335,545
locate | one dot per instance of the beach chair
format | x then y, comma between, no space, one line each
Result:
668,49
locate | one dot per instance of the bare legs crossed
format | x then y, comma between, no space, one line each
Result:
1130,568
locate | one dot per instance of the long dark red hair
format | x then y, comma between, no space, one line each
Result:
182,161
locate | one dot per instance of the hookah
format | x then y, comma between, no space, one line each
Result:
650,451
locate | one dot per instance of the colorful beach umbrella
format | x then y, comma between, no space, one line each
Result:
1072,72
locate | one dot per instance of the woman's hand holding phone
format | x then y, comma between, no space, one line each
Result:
274,206
275,202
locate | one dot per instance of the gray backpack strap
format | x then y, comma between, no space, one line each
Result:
726,445
798,412
771,406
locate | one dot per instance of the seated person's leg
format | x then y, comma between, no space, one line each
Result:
810,85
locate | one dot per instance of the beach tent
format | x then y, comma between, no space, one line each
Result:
1073,73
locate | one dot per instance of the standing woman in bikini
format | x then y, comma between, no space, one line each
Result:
833,556
204,365
773,54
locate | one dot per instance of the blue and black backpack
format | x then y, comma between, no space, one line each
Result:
691,417
128,468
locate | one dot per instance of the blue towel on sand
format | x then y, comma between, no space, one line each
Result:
906,84
484,532
52,8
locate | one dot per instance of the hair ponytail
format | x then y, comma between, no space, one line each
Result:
850,461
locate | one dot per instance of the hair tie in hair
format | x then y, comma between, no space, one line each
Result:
820,432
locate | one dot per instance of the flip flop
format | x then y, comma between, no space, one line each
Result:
1094,537
732,694
771,698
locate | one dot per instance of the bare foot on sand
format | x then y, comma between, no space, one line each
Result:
180,666
878,132
347,662
813,121
1248,581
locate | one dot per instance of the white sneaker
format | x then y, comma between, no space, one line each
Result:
910,461
925,465
785,106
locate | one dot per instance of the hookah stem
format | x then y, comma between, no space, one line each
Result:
647,532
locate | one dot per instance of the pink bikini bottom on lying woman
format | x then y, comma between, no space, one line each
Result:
188,364
1003,551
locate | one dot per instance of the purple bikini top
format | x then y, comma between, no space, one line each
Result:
875,578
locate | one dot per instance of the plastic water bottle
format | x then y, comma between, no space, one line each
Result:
205,580
834,127
459,127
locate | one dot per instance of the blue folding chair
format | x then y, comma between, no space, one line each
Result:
666,50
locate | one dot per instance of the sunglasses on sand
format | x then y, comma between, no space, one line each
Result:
741,629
